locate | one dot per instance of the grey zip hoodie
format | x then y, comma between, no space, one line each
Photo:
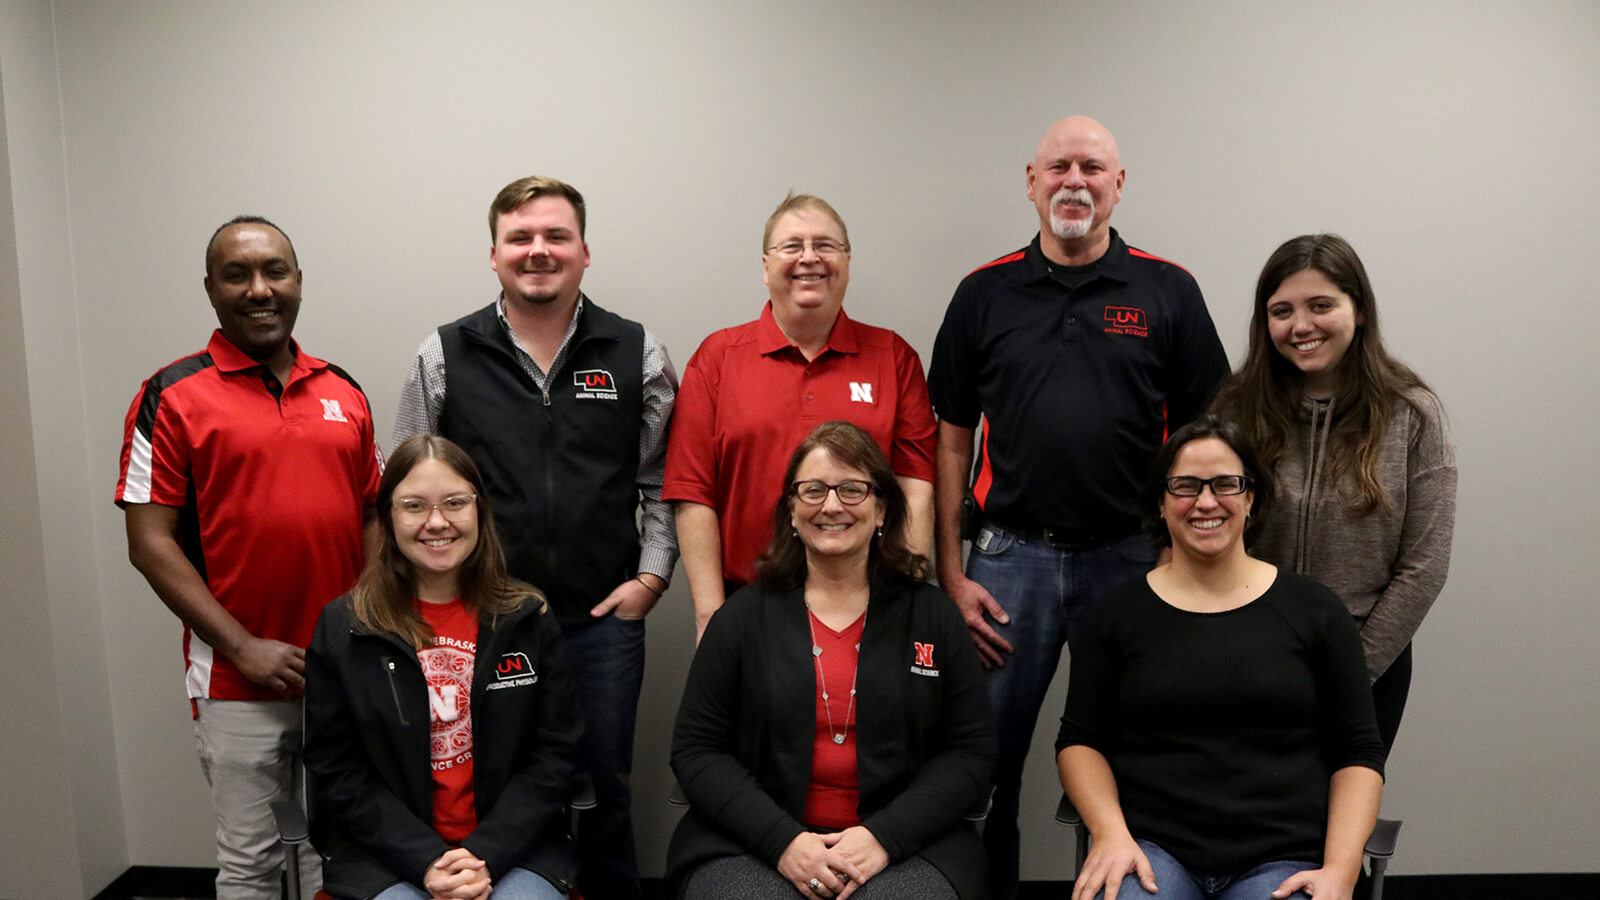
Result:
1387,566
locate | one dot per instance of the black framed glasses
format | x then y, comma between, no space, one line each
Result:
417,510
1221,485
815,493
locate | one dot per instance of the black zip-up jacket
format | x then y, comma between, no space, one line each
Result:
368,759
561,467
925,745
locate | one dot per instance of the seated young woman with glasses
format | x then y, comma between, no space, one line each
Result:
1219,739
834,732
440,724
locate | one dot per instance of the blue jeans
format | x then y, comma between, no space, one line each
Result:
517,884
606,658
1043,590
1174,881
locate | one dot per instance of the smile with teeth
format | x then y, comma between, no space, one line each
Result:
833,526
438,542
261,314
1205,524
1307,346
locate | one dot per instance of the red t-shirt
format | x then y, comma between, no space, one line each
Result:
447,665
749,397
271,491
834,797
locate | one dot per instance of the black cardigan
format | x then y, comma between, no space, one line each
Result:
367,752
925,747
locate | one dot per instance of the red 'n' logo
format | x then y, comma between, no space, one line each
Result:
512,665
1125,316
924,654
594,380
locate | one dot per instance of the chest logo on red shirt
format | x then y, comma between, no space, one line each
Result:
331,411
860,392
513,670
595,384
924,660
1129,320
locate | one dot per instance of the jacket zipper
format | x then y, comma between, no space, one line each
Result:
394,691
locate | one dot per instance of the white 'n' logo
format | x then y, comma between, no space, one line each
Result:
860,392
442,700
331,411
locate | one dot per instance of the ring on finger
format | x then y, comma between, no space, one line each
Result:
815,885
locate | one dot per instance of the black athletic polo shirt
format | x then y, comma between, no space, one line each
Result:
1076,388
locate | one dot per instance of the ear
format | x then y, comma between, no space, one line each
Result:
494,261
1122,176
1029,173
586,254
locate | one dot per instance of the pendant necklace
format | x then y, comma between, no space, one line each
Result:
822,680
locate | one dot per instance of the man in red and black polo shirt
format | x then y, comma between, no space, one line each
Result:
1077,355
248,473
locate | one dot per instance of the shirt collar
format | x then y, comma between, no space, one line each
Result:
770,338
1114,264
228,358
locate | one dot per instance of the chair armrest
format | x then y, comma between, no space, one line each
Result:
291,821
582,796
1384,835
677,797
1066,813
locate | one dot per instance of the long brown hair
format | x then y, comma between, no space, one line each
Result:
889,560
382,597
1264,395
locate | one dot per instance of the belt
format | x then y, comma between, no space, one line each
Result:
1056,538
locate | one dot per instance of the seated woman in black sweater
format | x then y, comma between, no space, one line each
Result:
440,725
834,728
1219,738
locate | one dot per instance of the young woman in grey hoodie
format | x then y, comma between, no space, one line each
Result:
1360,448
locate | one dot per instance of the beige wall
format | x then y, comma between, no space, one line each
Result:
1452,143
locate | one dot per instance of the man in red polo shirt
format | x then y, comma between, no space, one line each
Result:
248,474
751,393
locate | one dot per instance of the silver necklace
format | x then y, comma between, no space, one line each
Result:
816,657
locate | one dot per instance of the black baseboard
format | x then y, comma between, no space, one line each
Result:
198,883
161,881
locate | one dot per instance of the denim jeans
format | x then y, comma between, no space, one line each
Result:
606,658
1043,590
517,884
1174,881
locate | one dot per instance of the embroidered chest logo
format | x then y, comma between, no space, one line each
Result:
331,411
924,660
860,392
513,670
595,384
1128,320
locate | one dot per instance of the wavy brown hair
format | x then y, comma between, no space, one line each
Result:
383,595
889,560
1264,396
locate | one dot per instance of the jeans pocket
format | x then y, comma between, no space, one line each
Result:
992,541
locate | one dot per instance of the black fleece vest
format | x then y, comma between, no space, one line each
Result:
561,470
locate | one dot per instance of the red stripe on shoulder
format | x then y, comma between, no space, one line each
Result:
1143,255
1008,258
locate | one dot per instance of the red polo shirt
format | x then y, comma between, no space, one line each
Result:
272,485
749,397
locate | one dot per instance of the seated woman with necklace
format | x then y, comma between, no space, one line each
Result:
1219,739
834,730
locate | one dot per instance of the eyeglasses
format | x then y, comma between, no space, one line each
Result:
823,247
1221,485
416,510
849,493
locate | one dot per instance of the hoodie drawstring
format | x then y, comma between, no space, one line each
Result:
1316,458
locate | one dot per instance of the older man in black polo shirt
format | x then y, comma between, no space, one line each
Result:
1078,355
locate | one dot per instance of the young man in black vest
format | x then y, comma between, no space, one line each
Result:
564,406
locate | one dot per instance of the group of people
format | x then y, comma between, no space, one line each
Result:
452,640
